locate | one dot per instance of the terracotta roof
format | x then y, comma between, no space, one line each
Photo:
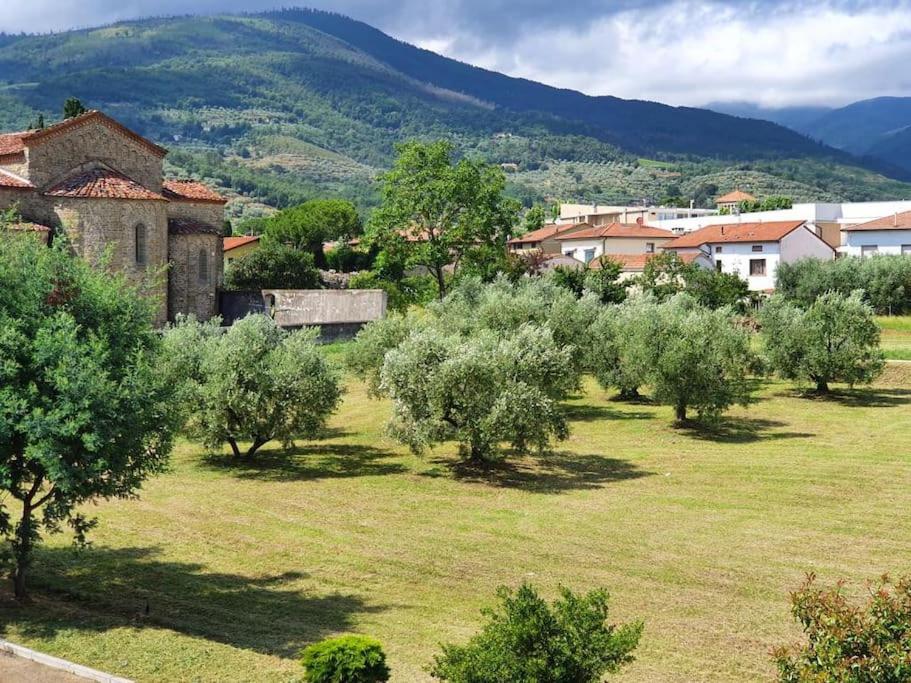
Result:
735,196
772,231
636,262
190,191
897,221
12,143
102,183
235,242
619,230
185,226
12,181
545,233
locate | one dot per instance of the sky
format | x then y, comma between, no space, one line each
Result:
688,52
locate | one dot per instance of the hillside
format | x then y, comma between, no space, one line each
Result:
286,105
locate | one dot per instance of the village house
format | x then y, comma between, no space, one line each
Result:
753,250
595,214
239,246
887,235
730,202
102,187
614,239
544,239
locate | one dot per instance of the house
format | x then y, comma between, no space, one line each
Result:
544,239
887,235
239,246
597,215
634,264
617,238
103,186
753,250
730,202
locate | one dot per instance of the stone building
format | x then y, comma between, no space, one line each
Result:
102,186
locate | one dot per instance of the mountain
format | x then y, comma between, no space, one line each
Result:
282,106
795,118
894,148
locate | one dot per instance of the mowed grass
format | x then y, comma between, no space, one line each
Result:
223,571
896,336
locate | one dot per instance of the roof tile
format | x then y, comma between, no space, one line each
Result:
897,221
619,230
102,183
190,191
772,231
239,241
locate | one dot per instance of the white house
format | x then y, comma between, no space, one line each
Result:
753,250
888,235
598,215
616,238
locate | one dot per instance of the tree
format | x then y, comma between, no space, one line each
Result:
441,213
255,383
535,219
525,639
836,339
73,108
273,267
847,642
84,412
713,289
695,357
307,226
611,353
664,275
605,280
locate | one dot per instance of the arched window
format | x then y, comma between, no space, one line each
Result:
203,266
139,233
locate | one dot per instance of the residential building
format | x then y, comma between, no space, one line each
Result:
239,246
103,186
596,215
753,250
544,239
887,235
617,238
634,264
730,202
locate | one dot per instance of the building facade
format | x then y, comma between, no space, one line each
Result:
887,235
614,239
101,186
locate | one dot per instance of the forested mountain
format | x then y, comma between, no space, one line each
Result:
285,105
795,118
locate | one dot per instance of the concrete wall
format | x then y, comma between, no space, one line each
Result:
885,241
803,243
303,307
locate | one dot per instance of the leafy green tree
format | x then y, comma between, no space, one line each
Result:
716,290
307,226
255,383
664,275
525,639
605,281
611,352
836,339
72,108
273,267
535,219
849,643
84,412
346,659
440,213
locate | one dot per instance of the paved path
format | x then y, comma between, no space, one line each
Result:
15,669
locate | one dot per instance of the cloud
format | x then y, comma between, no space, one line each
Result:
675,51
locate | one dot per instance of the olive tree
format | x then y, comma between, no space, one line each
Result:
255,383
611,354
84,412
835,339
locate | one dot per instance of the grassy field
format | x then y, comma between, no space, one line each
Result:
222,571
896,339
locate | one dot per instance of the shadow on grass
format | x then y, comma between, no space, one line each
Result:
740,430
866,397
548,473
587,412
104,588
314,461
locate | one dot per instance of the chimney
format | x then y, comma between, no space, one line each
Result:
640,221
722,230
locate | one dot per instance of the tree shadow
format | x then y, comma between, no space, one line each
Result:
867,397
105,588
314,461
739,430
586,412
549,473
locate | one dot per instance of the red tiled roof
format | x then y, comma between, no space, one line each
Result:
235,242
12,143
738,232
190,191
102,183
619,230
897,221
12,181
635,262
545,233
735,196
186,226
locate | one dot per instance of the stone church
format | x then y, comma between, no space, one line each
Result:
102,185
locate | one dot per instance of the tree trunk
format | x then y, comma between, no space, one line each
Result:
22,549
822,386
629,395
441,283
680,412
234,449
257,444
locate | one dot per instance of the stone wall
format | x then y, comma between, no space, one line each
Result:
188,291
209,213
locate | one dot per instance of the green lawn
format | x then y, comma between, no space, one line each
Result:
896,339
701,534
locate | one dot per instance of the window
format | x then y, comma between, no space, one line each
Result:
906,249
570,252
718,265
589,255
203,266
757,248
717,250
139,238
757,266
868,249
649,247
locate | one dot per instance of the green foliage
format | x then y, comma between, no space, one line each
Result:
73,108
255,382
847,643
775,203
308,226
346,259
84,411
273,267
611,354
402,292
603,280
666,275
346,659
885,280
535,219
836,339
525,639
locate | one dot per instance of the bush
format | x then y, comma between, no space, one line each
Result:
525,639
273,267
849,643
346,659
836,339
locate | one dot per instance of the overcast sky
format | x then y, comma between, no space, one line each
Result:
674,51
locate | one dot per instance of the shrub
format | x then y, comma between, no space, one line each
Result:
346,659
525,639
273,267
848,643
835,340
